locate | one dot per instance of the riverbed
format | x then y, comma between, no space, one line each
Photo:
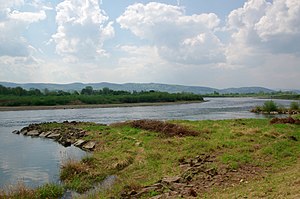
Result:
36,161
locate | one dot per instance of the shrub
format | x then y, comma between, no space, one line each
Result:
270,106
294,106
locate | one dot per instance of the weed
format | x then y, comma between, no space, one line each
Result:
49,191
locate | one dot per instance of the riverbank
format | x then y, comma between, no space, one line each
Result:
90,106
224,158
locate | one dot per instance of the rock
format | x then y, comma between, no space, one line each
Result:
33,133
170,180
89,146
45,134
79,143
138,144
23,131
65,142
16,132
53,136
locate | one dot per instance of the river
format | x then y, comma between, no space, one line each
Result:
36,161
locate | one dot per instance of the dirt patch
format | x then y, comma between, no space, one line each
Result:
197,178
165,128
288,120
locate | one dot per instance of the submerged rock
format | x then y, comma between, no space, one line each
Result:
66,134
16,132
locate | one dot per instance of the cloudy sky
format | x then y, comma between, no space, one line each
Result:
214,43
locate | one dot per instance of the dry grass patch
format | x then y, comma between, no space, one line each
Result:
165,128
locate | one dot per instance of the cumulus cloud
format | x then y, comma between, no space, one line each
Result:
181,38
261,27
82,29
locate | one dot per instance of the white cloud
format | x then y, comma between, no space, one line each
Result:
82,29
179,38
29,17
13,24
7,4
282,18
260,28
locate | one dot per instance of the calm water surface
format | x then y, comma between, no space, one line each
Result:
36,161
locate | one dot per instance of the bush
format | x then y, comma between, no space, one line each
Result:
294,106
270,106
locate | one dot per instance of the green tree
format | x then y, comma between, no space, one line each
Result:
88,90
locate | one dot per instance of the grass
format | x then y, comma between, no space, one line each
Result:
140,157
20,191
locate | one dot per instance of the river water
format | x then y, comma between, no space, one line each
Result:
36,161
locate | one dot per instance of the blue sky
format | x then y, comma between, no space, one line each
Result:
212,43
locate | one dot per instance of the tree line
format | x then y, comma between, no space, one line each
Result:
34,97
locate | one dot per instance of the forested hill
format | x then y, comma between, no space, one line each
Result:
138,87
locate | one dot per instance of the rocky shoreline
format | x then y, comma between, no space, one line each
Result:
67,134
279,112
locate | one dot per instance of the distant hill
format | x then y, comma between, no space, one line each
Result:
243,90
138,87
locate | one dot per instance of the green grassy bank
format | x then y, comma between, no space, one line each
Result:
206,159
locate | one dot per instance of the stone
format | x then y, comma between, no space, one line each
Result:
65,142
170,180
16,132
138,144
33,133
23,131
53,136
79,143
45,134
90,145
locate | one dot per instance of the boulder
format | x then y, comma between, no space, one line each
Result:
33,133
65,142
79,143
23,131
45,134
53,136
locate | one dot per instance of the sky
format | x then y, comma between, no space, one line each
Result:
213,43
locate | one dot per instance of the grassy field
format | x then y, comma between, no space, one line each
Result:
248,158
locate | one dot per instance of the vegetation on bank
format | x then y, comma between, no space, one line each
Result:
21,97
224,158
288,95
20,191
271,107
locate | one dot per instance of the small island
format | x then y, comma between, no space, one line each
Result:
271,108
